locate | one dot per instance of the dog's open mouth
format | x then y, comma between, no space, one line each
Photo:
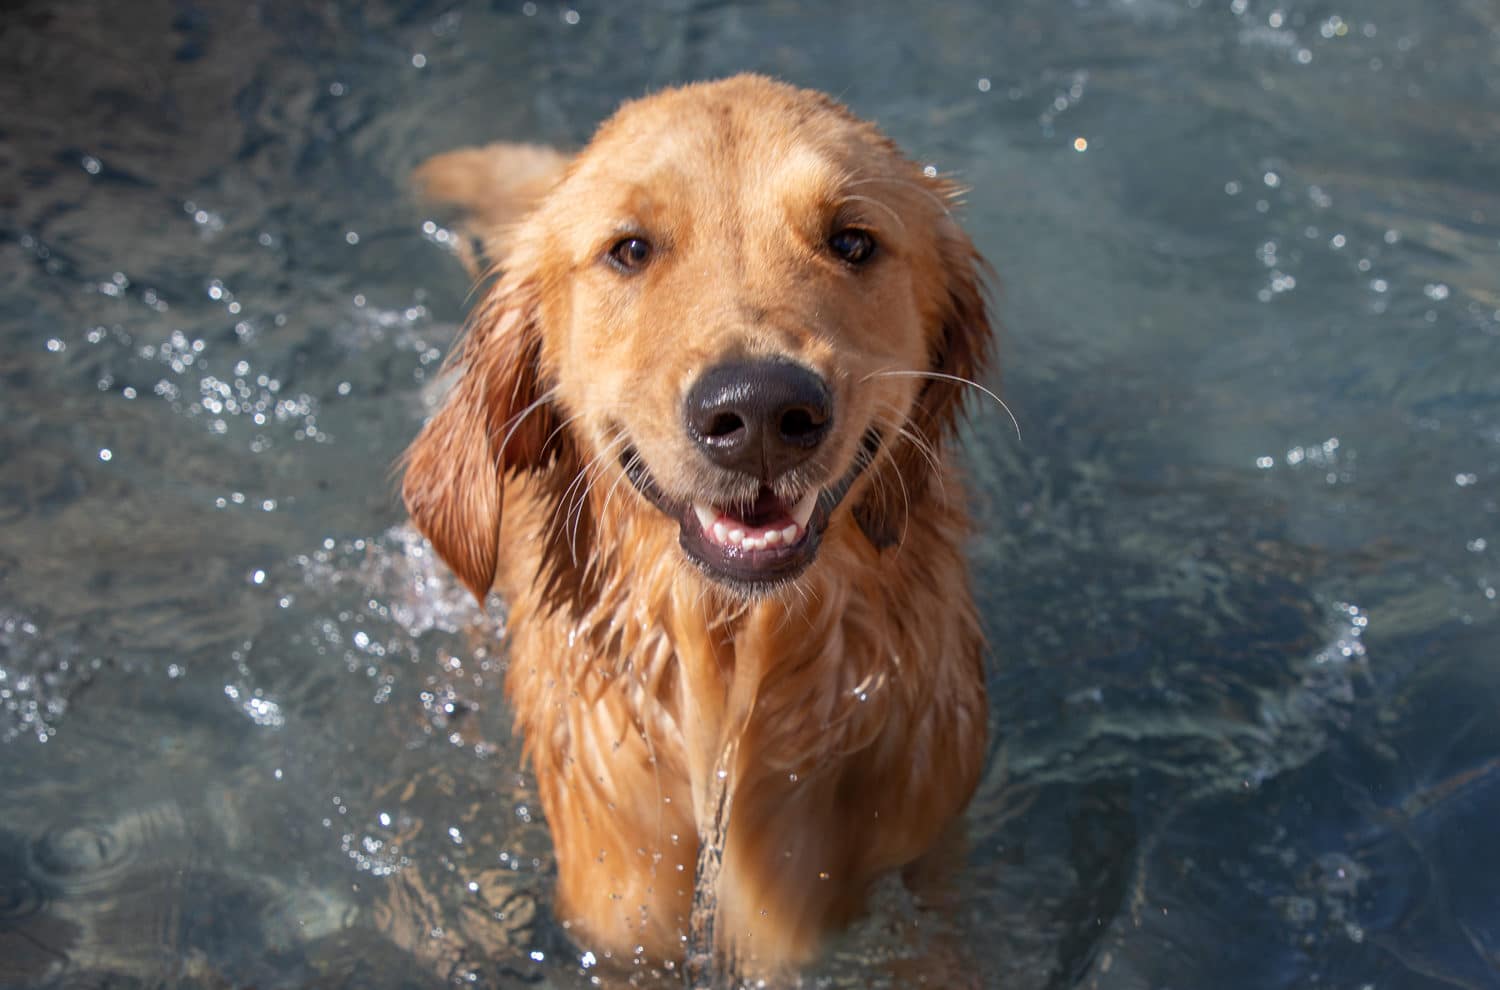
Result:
752,546
769,522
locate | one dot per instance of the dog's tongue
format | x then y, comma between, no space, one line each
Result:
766,522
766,510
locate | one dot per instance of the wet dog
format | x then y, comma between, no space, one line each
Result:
700,439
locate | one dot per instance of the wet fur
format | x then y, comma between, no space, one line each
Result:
847,708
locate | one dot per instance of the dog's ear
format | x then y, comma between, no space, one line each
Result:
496,420
960,352
494,186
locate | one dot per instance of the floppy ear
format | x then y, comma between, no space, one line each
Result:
494,421
961,350
495,186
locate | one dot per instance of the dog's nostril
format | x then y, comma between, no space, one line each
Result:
801,424
724,426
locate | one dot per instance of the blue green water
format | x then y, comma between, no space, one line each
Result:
1239,574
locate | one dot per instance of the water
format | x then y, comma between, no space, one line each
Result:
1239,574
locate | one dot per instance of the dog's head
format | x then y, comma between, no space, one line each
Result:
740,301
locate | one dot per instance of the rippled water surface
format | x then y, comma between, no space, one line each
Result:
1239,574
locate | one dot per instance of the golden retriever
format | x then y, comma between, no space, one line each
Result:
714,388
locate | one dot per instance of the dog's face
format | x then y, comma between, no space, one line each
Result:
741,301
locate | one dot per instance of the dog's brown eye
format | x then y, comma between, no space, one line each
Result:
854,246
630,253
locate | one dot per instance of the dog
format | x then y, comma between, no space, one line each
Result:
700,439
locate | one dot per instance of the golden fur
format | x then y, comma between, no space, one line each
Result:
844,711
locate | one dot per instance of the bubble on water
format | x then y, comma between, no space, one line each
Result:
39,673
207,221
260,710
1334,27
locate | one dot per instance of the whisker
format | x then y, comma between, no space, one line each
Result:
565,505
578,505
949,378
591,473
635,460
564,501
913,433
906,498
558,429
936,199
875,202
520,417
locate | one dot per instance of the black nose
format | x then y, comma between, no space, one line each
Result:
759,417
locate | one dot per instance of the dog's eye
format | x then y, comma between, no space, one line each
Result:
630,253
852,245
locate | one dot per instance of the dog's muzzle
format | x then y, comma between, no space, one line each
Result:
758,419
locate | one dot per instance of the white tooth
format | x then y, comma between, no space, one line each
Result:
773,537
789,535
803,510
721,533
736,535
751,543
706,516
